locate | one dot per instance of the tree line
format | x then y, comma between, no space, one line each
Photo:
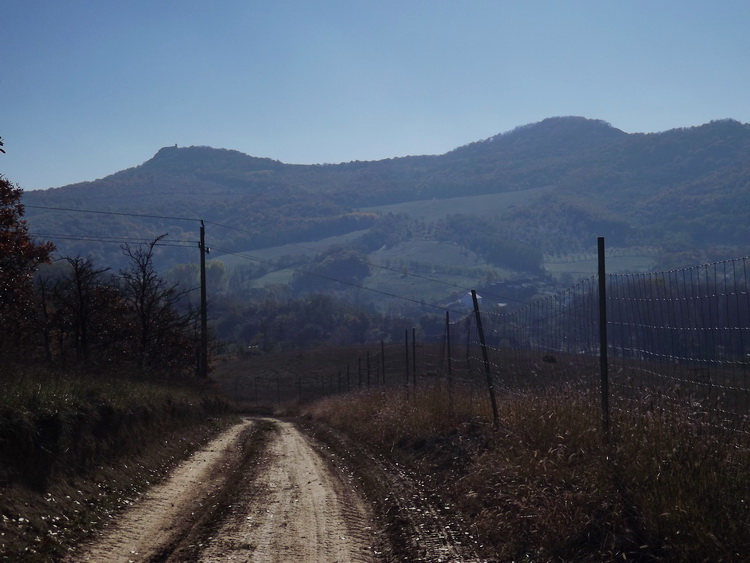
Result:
72,313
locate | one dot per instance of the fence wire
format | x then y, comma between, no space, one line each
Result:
678,338
552,340
684,337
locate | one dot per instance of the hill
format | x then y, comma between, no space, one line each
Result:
547,188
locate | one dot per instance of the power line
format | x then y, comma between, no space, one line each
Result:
111,213
305,272
108,239
380,266
433,280
169,242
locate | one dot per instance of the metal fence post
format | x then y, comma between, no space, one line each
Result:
603,357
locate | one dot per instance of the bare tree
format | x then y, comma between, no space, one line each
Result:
162,324
87,299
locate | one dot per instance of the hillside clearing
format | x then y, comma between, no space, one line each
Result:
480,205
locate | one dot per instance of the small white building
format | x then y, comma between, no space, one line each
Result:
468,302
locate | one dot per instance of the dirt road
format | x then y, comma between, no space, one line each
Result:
264,491
299,510
259,492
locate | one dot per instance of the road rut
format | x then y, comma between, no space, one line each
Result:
259,492
300,511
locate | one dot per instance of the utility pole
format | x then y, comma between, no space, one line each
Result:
203,363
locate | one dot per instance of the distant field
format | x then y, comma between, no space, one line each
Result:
278,277
450,265
426,263
424,210
273,253
589,266
431,209
427,251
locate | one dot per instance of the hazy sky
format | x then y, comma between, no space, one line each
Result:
90,87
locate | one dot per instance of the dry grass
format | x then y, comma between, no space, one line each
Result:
74,450
543,486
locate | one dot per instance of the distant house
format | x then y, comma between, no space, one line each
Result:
468,302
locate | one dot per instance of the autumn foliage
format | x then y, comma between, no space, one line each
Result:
20,256
75,314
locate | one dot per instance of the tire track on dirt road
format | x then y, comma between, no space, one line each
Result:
166,510
299,510
417,525
258,492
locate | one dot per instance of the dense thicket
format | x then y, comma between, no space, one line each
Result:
278,325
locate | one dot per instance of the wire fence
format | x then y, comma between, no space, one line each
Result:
677,339
684,337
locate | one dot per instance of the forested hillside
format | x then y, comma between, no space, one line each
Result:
571,179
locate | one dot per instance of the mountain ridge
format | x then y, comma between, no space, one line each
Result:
690,184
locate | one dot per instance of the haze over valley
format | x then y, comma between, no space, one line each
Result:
522,208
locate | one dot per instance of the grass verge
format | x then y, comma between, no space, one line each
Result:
543,486
76,449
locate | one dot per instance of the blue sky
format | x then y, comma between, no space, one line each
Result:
90,87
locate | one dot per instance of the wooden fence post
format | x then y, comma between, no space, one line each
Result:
414,359
406,360
490,386
468,348
382,355
448,354
603,352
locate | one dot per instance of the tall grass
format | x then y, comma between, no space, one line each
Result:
38,389
75,448
545,486
54,423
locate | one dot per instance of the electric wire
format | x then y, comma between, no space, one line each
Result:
247,257
382,267
409,274
352,284
111,213
113,240
93,238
